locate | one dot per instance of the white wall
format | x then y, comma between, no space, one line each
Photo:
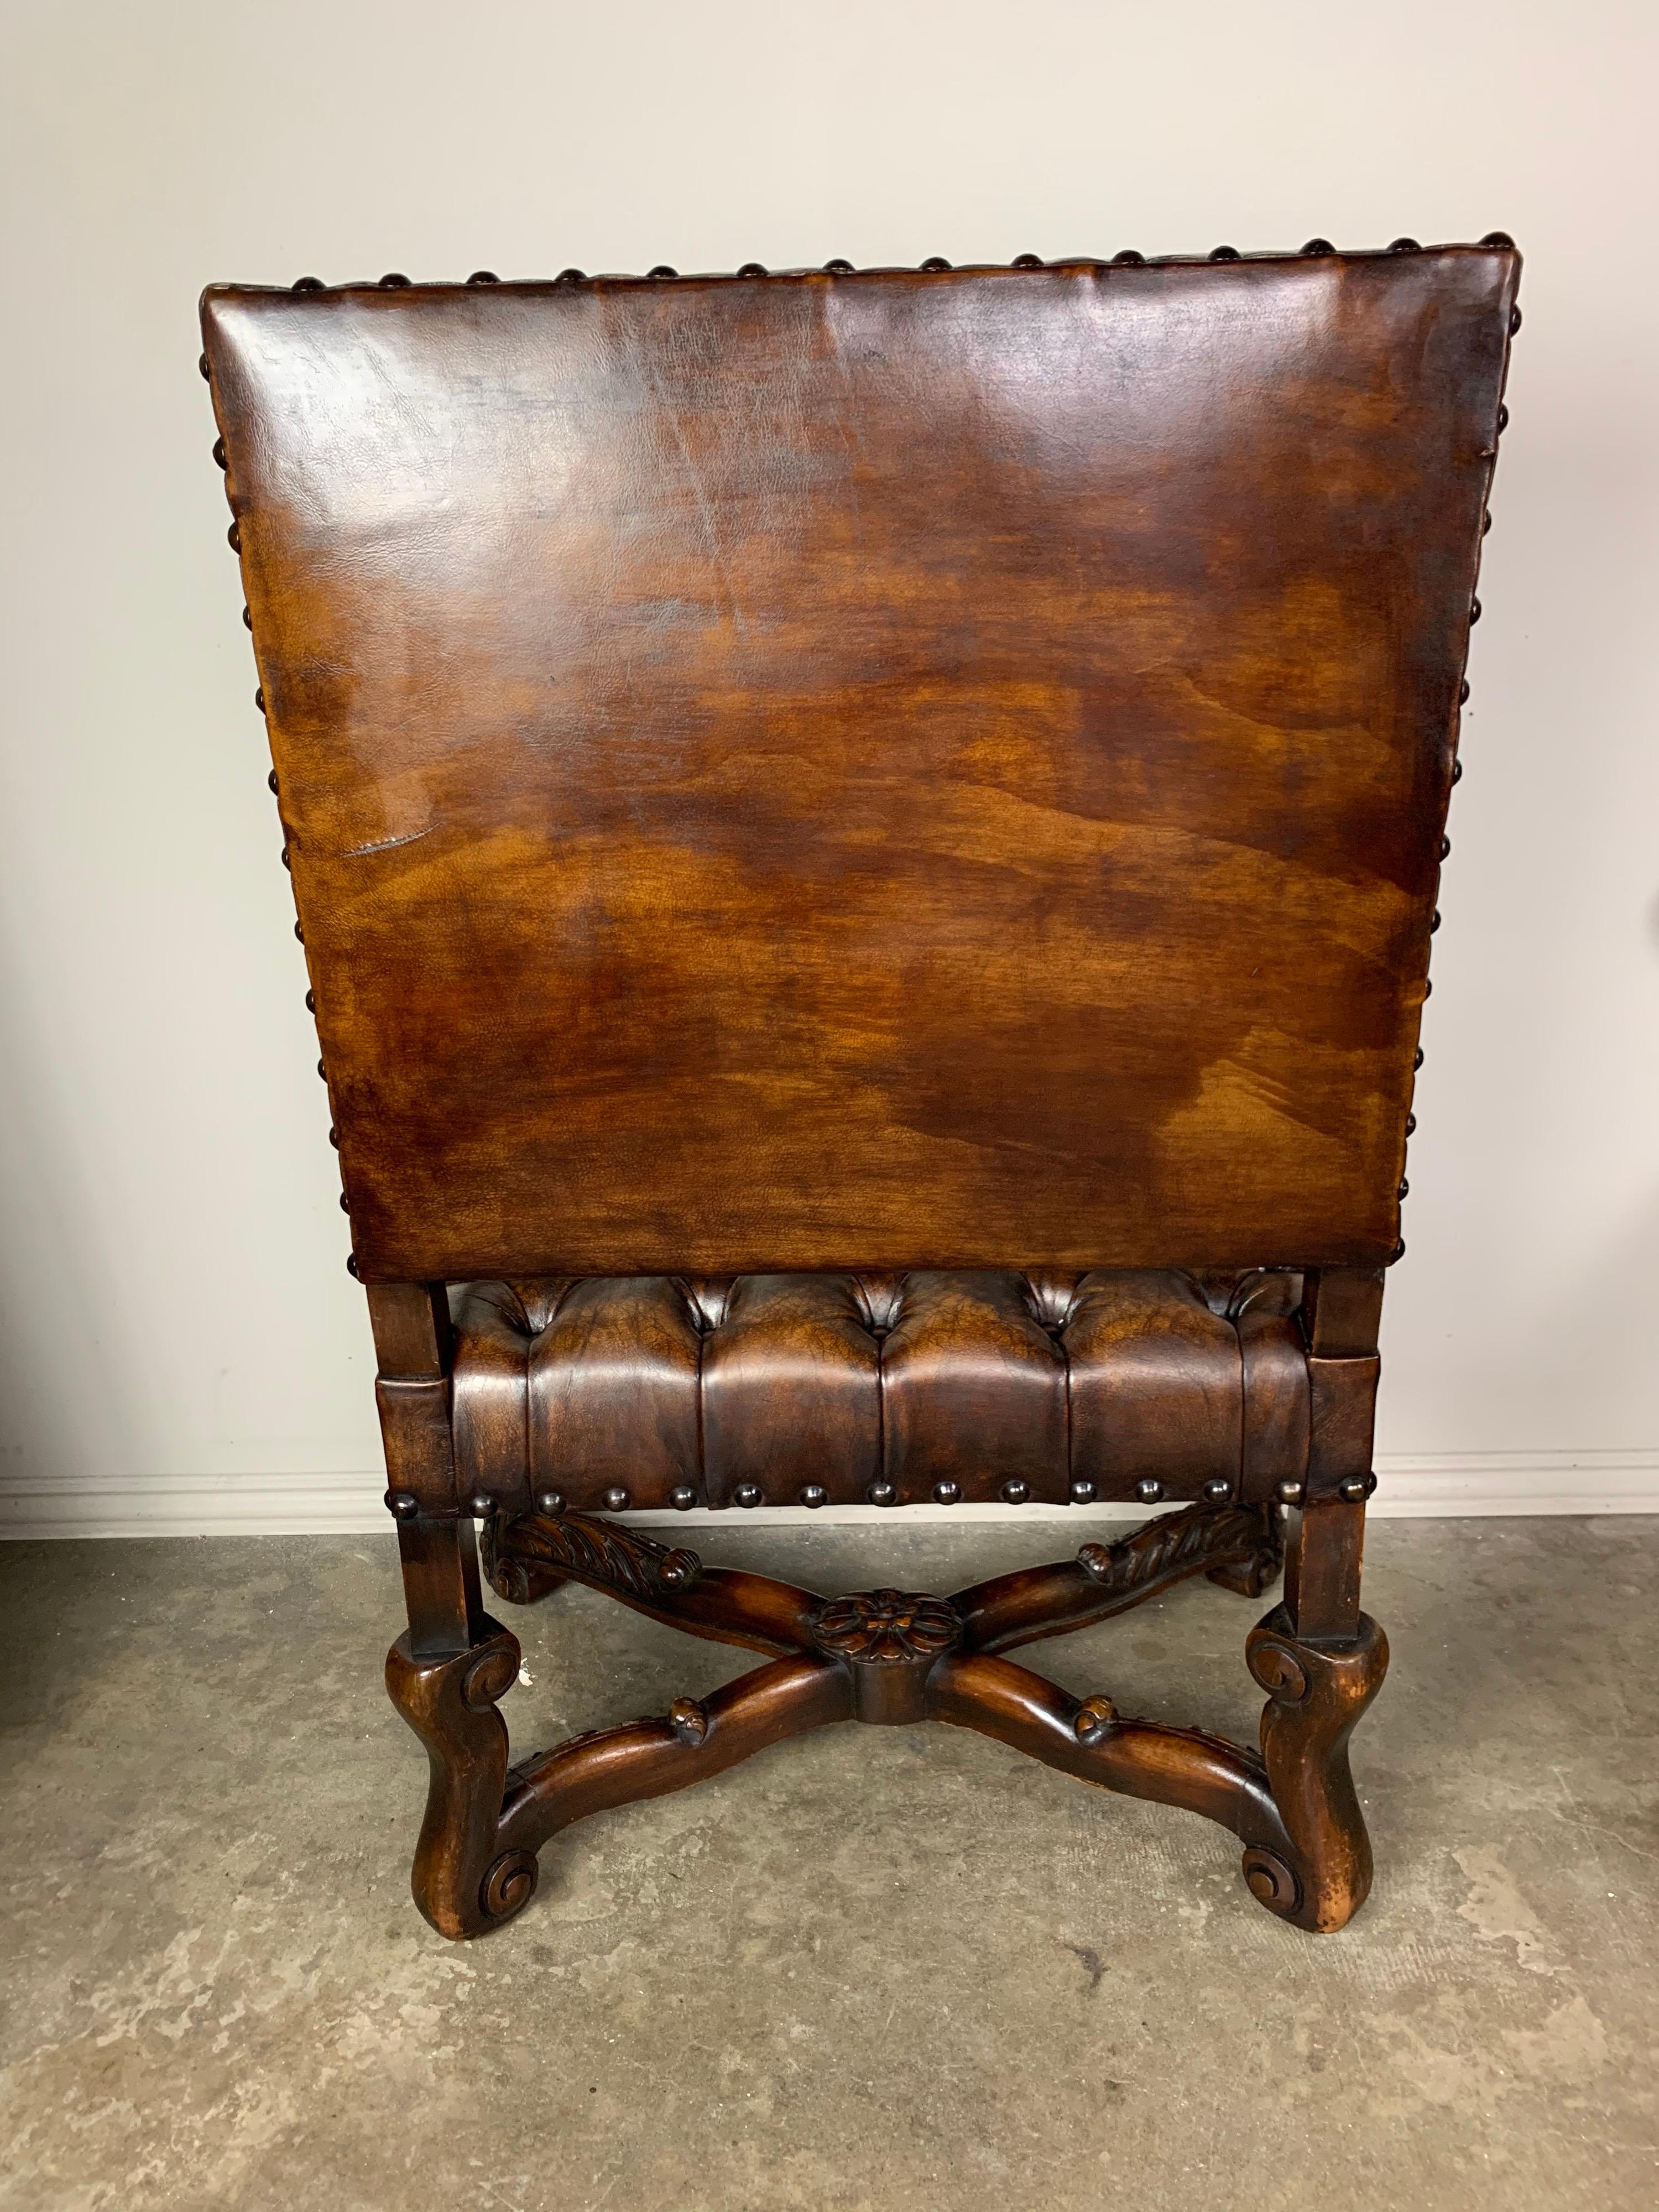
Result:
178,1334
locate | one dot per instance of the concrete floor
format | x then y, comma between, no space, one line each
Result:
877,1969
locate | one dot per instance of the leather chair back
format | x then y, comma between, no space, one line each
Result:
906,769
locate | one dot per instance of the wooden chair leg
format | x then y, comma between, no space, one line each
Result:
445,1674
461,1882
1322,1662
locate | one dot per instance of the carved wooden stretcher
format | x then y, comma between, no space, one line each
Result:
890,1656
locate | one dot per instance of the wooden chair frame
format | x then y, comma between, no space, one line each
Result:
884,1656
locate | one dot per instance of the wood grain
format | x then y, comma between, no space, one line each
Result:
912,770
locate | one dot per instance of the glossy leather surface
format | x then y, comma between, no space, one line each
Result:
653,1384
908,770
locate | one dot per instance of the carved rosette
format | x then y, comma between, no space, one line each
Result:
887,1627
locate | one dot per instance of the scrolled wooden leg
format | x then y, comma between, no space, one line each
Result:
1316,1692
461,1882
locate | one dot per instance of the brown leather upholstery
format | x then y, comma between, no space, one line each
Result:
936,768
807,794
754,1391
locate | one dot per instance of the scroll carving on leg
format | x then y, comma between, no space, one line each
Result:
461,1883
1316,1694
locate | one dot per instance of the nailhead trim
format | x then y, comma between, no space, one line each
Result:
935,265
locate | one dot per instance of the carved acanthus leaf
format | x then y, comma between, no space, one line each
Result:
1174,1544
597,1551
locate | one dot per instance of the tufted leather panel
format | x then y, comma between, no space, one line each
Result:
748,1391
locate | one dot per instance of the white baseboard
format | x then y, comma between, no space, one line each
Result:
1447,1485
